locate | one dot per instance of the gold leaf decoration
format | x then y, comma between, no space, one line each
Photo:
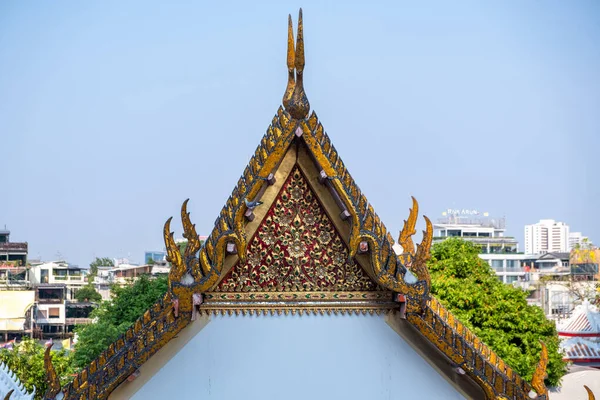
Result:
51,375
537,381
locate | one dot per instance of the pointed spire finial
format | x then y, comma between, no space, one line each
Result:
295,100
291,58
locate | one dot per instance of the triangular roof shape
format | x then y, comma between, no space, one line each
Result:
296,203
582,350
584,322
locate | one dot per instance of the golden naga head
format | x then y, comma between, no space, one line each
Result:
537,381
182,266
294,98
416,261
51,376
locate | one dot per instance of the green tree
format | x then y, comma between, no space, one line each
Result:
100,262
88,293
113,317
497,313
27,362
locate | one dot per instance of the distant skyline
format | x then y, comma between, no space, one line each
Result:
112,114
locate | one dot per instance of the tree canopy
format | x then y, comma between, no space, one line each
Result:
26,360
100,262
113,317
497,313
88,293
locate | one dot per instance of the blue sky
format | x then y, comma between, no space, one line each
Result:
113,113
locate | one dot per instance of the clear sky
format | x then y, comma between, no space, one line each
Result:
112,113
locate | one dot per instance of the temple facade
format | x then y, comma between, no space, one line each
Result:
298,293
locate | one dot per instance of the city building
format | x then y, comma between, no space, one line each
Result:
15,252
577,240
154,256
478,228
50,301
14,272
289,252
547,236
59,272
125,273
500,251
15,313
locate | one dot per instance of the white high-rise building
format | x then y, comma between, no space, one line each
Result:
577,239
547,236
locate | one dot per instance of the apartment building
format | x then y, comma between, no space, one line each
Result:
547,236
13,262
499,250
59,272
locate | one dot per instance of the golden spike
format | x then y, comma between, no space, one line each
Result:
590,393
189,232
419,264
299,61
291,55
424,248
173,254
51,376
408,230
7,397
298,105
537,381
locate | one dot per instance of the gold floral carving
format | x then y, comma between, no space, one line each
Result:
297,248
297,262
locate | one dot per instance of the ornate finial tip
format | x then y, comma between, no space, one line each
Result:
294,99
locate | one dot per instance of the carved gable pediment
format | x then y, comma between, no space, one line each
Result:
297,261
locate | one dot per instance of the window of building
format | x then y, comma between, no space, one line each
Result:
454,232
511,279
512,264
484,234
50,295
54,312
44,276
497,264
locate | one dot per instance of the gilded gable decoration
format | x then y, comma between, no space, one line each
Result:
297,262
297,235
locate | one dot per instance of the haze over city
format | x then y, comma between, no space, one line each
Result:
111,115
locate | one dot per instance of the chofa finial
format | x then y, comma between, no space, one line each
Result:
294,99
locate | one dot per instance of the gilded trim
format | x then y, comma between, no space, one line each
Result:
463,348
114,365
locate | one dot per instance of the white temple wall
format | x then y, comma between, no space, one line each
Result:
297,358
